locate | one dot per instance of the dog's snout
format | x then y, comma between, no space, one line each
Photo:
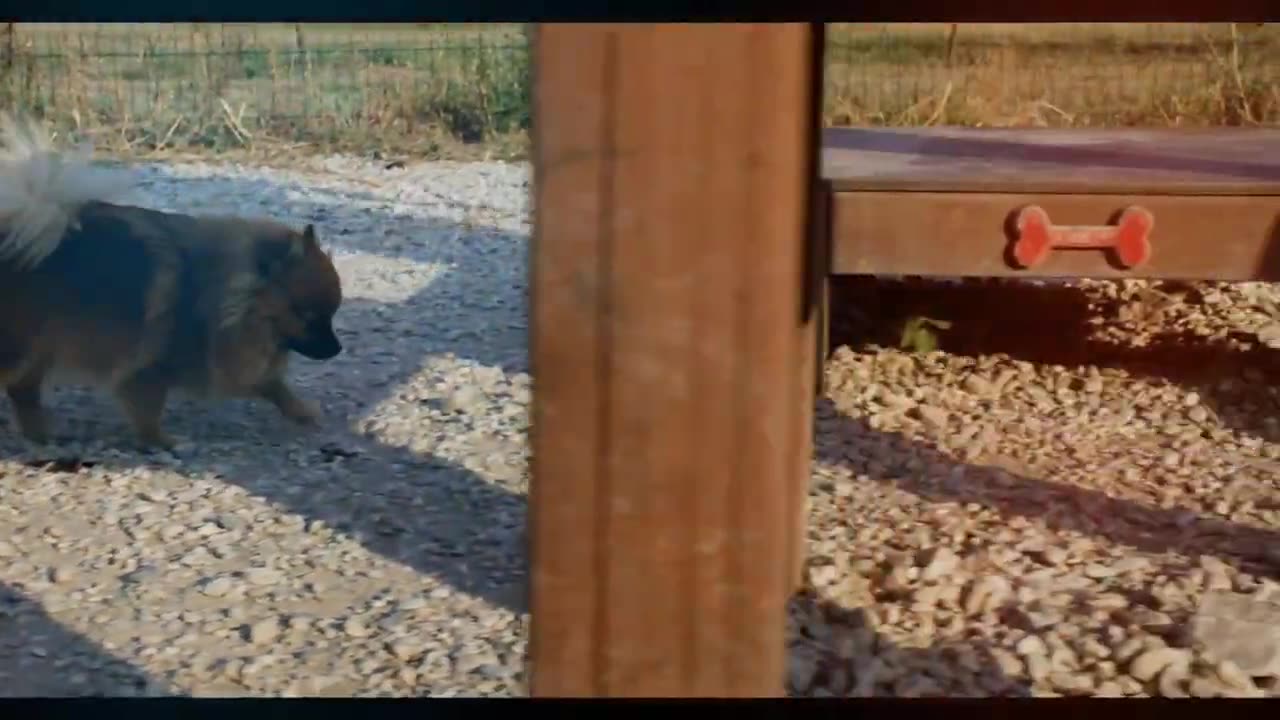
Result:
319,346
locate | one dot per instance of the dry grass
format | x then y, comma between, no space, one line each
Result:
462,90
432,90
1099,74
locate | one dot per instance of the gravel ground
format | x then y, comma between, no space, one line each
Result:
1067,501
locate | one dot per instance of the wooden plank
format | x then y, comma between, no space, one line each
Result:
1214,161
967,234
672,191
814,320
568,275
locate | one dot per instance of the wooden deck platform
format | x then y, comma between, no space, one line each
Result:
946,201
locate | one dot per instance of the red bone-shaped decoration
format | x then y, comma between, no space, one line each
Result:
1036,236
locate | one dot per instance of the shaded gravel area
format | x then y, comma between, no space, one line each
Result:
1077,496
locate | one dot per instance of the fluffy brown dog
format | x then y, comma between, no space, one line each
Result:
144,302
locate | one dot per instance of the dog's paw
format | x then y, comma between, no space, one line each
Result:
35,429
154,440
303,413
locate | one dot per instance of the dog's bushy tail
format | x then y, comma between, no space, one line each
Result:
42,189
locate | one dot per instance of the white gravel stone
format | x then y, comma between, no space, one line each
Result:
1147,665
263,576
1241,628
987,594
356,628
1031,645
943,562
263,631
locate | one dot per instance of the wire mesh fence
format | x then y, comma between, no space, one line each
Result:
226,85
222,85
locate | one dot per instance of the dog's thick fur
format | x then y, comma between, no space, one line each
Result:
144,302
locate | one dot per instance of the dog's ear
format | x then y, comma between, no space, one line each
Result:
304,243
275,256
309,241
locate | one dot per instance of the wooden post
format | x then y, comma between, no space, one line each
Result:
671,350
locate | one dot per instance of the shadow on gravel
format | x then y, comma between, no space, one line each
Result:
1061,506
897,461
1045,325
409,506
40,657
836,651
1051,324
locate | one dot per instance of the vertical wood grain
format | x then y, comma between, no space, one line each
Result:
670,352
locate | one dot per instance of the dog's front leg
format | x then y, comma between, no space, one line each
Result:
28,408
277,392
143,399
